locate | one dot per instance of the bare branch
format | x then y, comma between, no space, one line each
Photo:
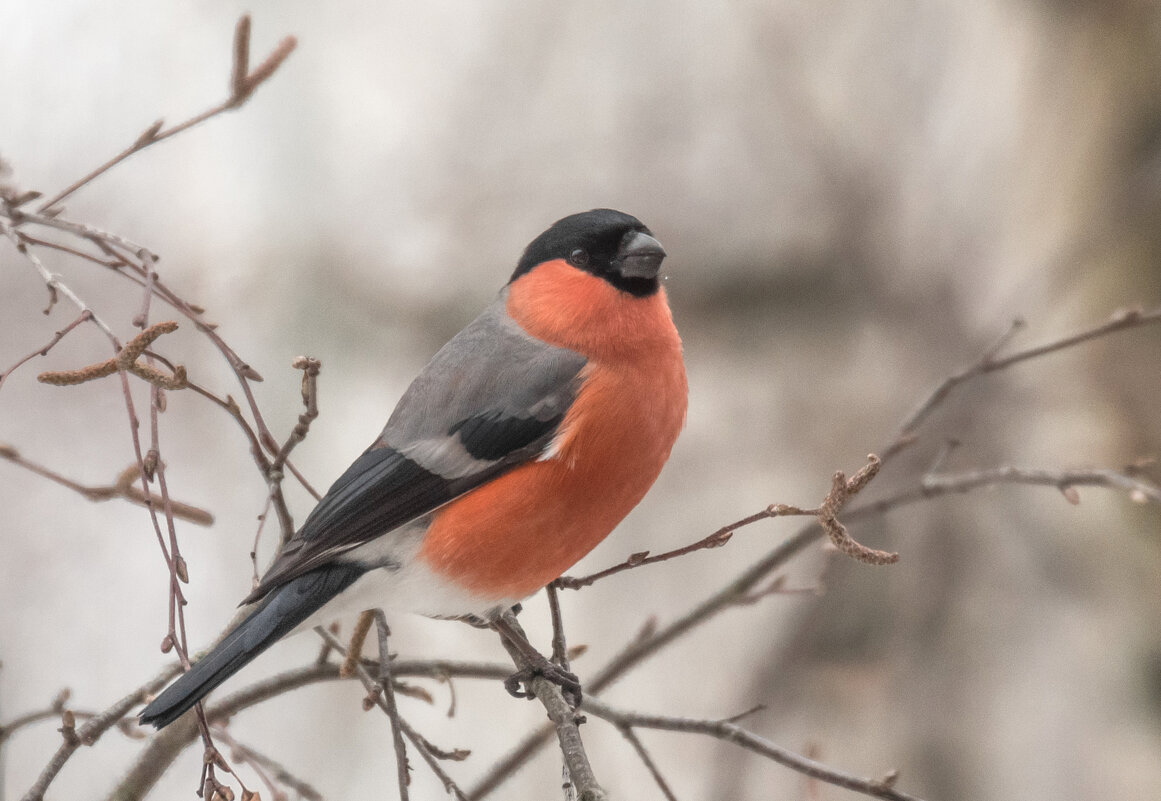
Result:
242,85
262,764
563,717
91,731
989,362
841,491
559,643
136,258
123,488
932,486
54,710
431,756
715,540
149,262
53,282
421,744
731,732
402,769
83,317
165,746
638,746
651,640
310,370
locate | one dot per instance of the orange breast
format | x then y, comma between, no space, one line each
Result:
510,537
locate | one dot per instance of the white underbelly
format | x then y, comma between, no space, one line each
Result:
404,584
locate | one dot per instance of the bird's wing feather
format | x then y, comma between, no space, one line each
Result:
491,398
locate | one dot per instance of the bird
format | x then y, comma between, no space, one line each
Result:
519,447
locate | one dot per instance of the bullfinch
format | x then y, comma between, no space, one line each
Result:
521,445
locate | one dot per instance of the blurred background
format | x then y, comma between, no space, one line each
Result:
857,197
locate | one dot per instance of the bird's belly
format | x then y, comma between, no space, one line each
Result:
413,587
511,536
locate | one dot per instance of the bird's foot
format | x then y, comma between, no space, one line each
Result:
488,619
569,684
475,621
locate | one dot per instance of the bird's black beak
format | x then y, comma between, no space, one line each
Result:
639,256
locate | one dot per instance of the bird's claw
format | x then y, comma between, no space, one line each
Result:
475,621
569,684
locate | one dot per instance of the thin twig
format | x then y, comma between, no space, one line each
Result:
153,468
402,769
16,724
115,263
92,730
931,486
638,746
990,362
55,285
54,710
83,317
841,491
261,763
123,488
129,254
714,540
559,643
167,744
425,748
732,733
149,262
113,243
243,84
310,370
431,755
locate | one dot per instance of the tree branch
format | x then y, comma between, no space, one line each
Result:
166,745
83,317
990,362
733,733
122,488
402,769
242,85
92,730
564,719
375,696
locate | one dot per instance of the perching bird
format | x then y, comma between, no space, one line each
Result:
521,445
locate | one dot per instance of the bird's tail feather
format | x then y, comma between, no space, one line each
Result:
281,611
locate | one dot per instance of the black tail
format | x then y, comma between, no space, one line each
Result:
278,614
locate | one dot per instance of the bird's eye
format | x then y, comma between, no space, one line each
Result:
579,258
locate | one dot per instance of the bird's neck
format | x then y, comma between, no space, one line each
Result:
569,308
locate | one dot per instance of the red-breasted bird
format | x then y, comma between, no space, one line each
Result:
521,445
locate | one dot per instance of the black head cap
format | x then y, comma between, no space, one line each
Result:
609,244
